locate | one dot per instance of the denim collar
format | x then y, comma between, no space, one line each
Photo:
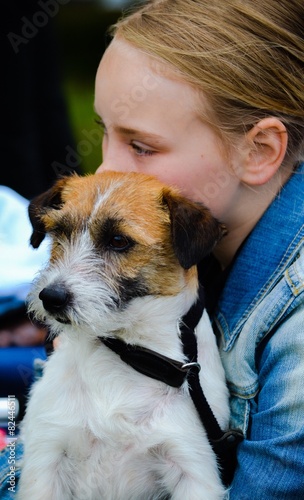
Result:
264,256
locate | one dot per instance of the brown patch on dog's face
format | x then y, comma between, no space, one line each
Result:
147,236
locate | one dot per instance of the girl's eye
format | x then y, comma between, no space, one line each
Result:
140,150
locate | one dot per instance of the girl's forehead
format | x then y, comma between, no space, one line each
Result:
128,77
126,64
124,49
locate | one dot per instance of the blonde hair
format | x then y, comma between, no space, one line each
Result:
246,56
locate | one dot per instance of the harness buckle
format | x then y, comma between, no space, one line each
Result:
230,439
188,366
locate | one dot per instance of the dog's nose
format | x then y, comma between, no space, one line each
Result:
54,298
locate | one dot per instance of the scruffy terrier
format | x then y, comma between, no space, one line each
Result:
122,268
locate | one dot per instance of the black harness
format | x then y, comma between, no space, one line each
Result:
175,373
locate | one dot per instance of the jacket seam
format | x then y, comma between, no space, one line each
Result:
276,276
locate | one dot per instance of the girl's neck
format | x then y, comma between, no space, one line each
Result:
255,201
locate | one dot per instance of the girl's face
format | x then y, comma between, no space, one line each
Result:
152,125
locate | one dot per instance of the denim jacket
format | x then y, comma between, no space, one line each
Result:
260,323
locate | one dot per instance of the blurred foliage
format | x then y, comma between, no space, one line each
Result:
82,38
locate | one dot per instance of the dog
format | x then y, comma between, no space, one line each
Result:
124,249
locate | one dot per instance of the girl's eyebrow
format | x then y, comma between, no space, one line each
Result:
140,134
128,131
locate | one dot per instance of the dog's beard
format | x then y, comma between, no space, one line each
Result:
99,295
93,289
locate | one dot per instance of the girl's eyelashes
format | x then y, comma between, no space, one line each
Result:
138,148
101,124
141,150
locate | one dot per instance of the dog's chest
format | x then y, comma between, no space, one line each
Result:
102,394
110,421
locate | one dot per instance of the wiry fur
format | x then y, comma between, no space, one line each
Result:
96,429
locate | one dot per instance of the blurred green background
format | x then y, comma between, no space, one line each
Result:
81,29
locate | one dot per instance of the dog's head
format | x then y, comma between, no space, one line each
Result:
115,238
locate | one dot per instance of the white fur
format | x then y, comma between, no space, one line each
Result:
95,429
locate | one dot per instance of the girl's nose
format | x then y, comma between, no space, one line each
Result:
117,163
116,157
115,166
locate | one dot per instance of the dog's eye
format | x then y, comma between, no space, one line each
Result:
119,243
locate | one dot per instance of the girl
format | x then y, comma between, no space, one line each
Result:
208,95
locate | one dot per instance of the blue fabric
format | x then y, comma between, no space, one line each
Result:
18,266
267,252
272,458
18,261
10,469
10,303
17,368
260,322
11,456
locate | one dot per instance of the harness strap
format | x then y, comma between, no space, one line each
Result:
224,444
148,362
175,373
188,337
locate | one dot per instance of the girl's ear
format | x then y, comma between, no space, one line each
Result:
267,142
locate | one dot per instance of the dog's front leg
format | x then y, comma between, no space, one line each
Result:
188,487
46,472
188,468
37,483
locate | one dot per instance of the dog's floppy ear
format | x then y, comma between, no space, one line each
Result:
39,205
194,230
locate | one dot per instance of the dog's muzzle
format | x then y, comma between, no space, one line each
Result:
56,299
